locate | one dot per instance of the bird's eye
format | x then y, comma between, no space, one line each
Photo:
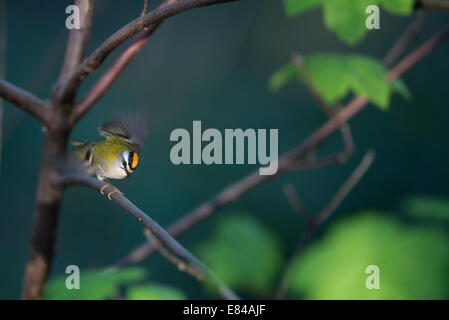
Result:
124,164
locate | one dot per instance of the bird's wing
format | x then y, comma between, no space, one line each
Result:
130,127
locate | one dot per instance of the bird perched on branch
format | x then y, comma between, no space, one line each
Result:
117,157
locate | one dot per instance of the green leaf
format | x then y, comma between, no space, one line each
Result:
94,284
294,7
427,207
329,75
347,18
334,76
154,292
413,261
367,78
400,87
282,76
243,253
400,7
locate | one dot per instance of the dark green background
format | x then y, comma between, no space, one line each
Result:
211,64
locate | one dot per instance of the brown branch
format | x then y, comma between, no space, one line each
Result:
162,236
296,202
144,10
78,40
346,188
198,273
432,5
49,197
345,130
111,75
46,215
243,186
179,263
68,91
25,101
322,217
406,38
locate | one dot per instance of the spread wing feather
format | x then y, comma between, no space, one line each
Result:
131,127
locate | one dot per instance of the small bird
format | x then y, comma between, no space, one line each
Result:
117,156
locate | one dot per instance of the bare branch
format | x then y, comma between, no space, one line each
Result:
243,186
345,130
25,101
109,77
49,195
145,5
406,38
78,40
322,217
163,237
181,265
296,202
346,188
197,272
432,5
95,60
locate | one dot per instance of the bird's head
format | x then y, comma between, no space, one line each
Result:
129,160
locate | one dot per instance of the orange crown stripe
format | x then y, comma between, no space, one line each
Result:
135,160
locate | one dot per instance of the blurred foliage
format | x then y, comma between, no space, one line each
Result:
413,261
106,284
94,284
347,17
244,254
427,207
154,292
334,76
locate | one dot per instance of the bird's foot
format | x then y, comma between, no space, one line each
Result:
115,190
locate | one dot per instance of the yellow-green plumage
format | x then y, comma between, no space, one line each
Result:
116,157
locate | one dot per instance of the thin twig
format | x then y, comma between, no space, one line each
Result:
179,263
248,183
344,190
164,238
406,38
95,60
144,10
25,101
296,202
321,218
201,273
345,130
111,75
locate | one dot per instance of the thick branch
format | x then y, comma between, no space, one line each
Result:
109,77
78,40
25,101
95,60
180,253
243,186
